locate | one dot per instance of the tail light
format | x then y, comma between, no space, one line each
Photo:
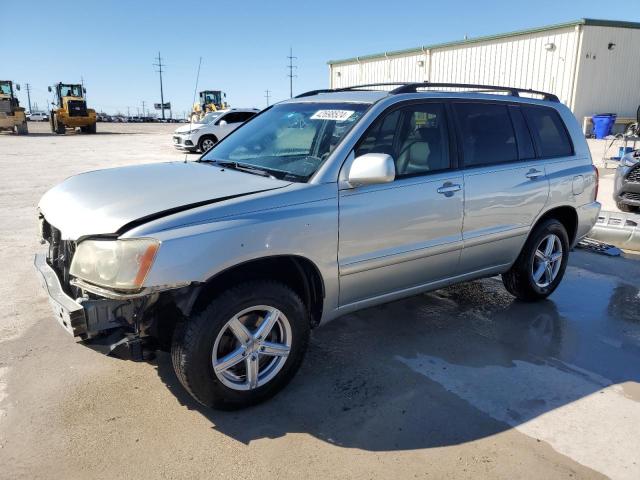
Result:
597,185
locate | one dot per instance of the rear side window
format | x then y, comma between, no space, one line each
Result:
548,131
523,136
487,134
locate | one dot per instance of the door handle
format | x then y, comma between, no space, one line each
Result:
533,173
449,188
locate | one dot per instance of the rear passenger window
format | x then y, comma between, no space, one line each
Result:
548,131
523,136
487,133
415,136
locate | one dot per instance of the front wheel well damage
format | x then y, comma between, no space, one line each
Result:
299,273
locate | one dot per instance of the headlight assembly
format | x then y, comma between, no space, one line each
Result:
114,264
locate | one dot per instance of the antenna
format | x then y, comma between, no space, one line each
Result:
267,96
195,90
160,65
291,66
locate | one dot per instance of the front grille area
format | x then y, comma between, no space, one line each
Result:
77,108
631,196
634,175
60,253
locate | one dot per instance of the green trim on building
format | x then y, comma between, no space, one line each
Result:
582,21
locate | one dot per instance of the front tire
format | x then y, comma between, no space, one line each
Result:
539,268
206,143
243,347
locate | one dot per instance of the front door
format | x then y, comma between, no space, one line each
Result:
399,236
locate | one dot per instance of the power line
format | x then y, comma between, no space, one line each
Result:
291,66
267,96
160,65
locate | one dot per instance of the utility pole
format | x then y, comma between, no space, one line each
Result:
160,65
128,112
291,66
28,87
267,95
82,84
143,114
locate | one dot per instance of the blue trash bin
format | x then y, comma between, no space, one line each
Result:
603,124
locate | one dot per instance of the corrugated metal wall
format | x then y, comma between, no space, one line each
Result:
608,80
523,61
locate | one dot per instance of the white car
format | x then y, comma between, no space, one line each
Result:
204,134
37,117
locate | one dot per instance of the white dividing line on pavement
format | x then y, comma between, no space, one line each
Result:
3,389
589,421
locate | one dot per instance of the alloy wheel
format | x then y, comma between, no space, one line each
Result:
547,260
252,347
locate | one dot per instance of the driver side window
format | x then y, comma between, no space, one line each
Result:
415,136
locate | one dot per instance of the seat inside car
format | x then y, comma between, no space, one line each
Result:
421,152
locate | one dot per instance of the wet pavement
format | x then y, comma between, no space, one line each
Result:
463,382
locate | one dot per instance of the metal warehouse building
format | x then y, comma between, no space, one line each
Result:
593,66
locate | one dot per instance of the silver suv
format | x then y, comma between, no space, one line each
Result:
318,206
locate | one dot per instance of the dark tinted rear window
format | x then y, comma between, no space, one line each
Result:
523,136
548,131
487,133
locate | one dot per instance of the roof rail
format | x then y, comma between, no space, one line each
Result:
513,91
412,87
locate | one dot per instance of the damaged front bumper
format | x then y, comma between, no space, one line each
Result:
86,318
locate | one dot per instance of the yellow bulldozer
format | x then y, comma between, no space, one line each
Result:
70,109
208,101
12,116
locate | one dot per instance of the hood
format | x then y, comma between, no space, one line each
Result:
188,127
112,200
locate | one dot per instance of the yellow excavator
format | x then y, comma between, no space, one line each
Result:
70,109
12,116
208,101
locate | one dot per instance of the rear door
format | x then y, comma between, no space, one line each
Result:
402,235
506,187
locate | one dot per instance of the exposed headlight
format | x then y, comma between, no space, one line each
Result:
631,158
115,264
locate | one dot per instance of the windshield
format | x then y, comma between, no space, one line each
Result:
212,97
210,117
289,139
70,90
5,88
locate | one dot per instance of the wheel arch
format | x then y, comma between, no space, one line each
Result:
297,272
205,136
567,215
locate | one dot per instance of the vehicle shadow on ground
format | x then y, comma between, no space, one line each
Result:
438,369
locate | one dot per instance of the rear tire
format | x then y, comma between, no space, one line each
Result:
58,127
22,129
207,338
623,207
535,275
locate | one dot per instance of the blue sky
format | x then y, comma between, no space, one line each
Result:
243,44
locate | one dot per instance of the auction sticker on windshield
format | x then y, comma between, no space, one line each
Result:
337,115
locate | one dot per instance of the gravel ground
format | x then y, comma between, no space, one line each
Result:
459,383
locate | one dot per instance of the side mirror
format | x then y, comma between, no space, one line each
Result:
222,123
49,88
18,86
371,169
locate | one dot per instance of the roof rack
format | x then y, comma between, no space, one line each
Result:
413,87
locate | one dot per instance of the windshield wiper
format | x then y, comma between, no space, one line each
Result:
244,167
